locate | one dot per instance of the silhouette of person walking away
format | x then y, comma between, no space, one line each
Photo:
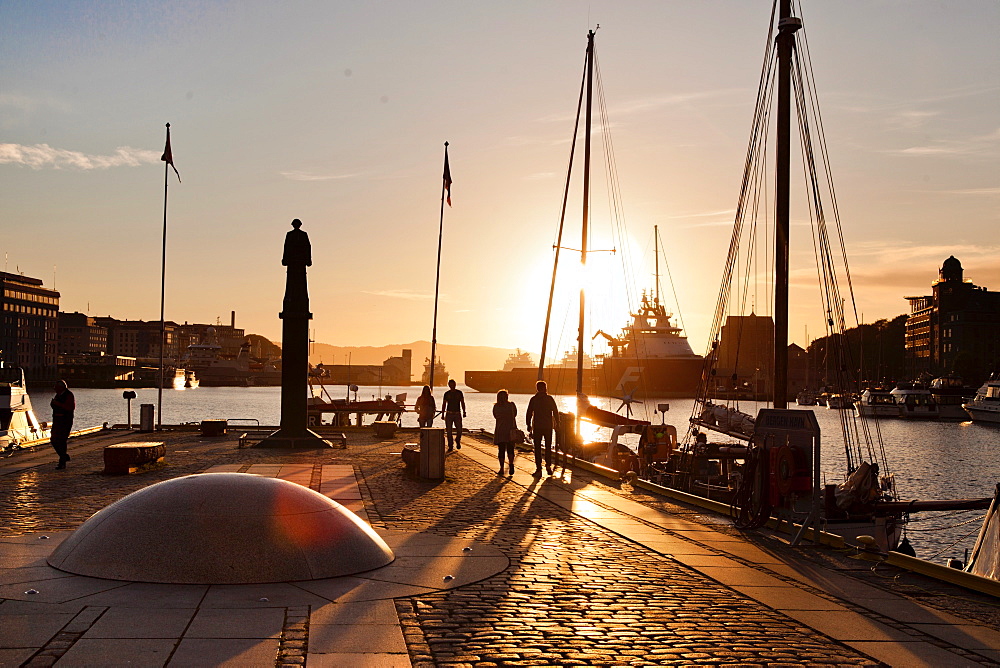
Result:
541,418
426,408
505,412
453,406
63,405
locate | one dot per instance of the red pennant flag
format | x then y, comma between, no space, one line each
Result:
447,175
168,156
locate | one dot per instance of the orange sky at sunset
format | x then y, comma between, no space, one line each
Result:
336,113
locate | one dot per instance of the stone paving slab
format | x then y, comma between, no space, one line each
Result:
236,623
912,654
87,652
152,623
235,652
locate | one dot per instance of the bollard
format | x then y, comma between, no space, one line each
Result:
146,412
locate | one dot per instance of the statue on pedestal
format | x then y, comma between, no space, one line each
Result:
295,316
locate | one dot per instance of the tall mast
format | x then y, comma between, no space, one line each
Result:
787,25
586,209
656,256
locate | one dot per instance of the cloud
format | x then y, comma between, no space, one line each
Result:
911,120
651,103
43,156
971,145
401,294
306,176
971,191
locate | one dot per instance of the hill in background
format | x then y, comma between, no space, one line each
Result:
457,359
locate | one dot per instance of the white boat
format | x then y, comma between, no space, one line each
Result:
877,402
915,402
985,407
839,402
950,392
18,424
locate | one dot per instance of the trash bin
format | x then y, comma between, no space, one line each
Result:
146,412
431,464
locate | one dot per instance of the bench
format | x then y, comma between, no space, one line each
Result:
125,458
384,428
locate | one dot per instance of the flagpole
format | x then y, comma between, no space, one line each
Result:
163,289
445,184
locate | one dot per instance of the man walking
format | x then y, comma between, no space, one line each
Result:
453,405
63,405
541,418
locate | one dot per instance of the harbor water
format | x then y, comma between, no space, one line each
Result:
930,460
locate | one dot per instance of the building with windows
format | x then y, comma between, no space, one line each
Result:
956,328
79,334
140,339
29,326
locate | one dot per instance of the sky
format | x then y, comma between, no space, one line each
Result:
337,114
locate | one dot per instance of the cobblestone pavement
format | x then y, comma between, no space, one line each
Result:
575,593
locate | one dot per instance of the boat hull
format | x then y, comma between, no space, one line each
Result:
612,378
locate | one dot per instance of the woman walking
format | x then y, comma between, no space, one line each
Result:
505,413
426,408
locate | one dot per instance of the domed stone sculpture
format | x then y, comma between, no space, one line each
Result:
222,528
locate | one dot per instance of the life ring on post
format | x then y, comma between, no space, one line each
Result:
783,469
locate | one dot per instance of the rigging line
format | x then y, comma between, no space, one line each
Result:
562,219
673,286
826,162
712,348
619,230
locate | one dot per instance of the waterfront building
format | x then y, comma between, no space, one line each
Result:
140,339
79,334
29,329
744,359
229,337
392,371
954,329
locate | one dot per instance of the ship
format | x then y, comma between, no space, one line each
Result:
206,361
651,357
440,373
520,373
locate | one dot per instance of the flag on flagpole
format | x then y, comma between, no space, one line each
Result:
447,175
168,156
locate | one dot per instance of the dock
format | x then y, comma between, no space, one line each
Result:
574,569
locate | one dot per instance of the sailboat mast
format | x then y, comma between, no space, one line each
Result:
656,256
586,210
787,25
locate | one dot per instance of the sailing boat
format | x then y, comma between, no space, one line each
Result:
568,438
769,464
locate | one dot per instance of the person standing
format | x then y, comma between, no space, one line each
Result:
63,404
505,413
453,405
426,407
541,418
